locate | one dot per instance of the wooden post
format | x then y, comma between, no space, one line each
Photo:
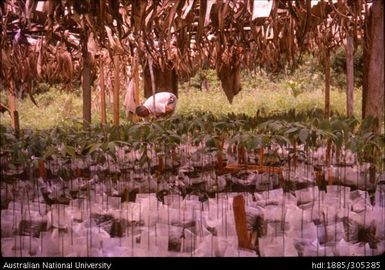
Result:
327,82
150,63
327,97
261,156
16,123
86,84
349,76
103,114
241,154
116,89
42,170
12,107
240,222
136,80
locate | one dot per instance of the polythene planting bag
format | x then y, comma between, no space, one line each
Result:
380,195
149,215
32,224
380,248
360,201
169,215
149,239
113,202
254,218
274,194
212,246
294,216
307,195
216,225
340,195
172,200
270,246
14,217
277,228
308,231
19,246
274,213
79,209
15,206
329,214
303,174
314,249
188,241
377,218
344,248
328,234
36,206
148,185
96,236
147,198
130,211
7,227
352,224
50,245
59,216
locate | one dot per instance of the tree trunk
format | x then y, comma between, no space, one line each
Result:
116,89
366,58
103,115
327,82
86,84
374,99
165,81
349,76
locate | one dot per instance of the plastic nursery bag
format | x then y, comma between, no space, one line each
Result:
19,246
277,247
330,233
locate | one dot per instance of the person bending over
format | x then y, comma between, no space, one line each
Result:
165,104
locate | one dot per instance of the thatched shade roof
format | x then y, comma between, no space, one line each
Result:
43,40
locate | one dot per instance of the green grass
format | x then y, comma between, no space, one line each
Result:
302,90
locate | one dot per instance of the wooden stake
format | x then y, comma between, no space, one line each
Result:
241,154
261,156
42,170
14,114
116,89
103,115
240,222
136,80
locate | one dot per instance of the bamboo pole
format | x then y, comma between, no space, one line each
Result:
116,89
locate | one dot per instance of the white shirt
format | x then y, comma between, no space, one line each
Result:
162,99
